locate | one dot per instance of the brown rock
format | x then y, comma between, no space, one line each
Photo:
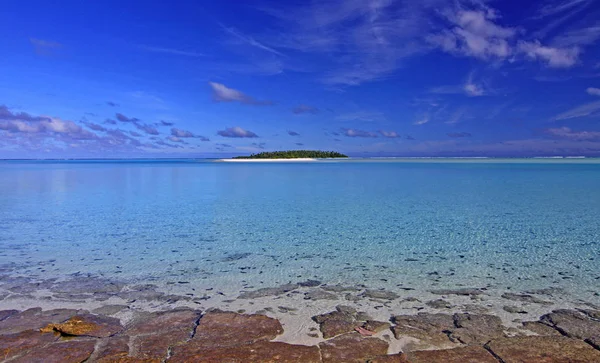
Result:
34,318
154,334
540,329
392,358
543,350
471,354
181,319
572,324
223,329
12,345
594,342
112,349
376,326
156,346
342,315
260,351
352,347
86,325
430,329
59,352
6,313
331,328
476,329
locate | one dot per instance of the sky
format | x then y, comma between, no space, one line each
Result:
136,79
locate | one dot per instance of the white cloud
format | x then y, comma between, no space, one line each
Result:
475,34
422,120
578,37
555,57
556,7
236,132
593,91
358,133
579,111
171,51
222,93
249,40
361,116
567,133
389,134
472,89
469,88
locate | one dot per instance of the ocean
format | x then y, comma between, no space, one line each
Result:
210,231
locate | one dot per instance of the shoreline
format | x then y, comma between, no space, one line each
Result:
294,305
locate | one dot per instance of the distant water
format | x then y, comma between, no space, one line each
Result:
190,225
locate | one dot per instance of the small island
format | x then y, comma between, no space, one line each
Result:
294,154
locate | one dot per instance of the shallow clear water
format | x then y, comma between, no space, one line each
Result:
200,224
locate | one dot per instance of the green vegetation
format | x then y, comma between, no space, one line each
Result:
294,154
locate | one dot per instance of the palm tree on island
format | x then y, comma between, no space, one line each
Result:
294,154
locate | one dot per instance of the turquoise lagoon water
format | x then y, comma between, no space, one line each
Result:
197,224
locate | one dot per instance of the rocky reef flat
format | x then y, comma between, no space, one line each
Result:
94,319
187,335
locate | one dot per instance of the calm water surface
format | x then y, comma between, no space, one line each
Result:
519,225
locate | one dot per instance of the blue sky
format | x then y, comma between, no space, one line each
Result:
364,77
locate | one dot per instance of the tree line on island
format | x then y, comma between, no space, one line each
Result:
294,154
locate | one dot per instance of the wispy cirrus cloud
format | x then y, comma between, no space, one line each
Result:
579,111
568,133
44,47
171,51
293,133
236,132
300,109
222,93
459,134
362,116
422,120
249,40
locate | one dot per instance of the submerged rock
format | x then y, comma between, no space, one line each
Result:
462,291
525,298
318,294
268,291
380,294
439,304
